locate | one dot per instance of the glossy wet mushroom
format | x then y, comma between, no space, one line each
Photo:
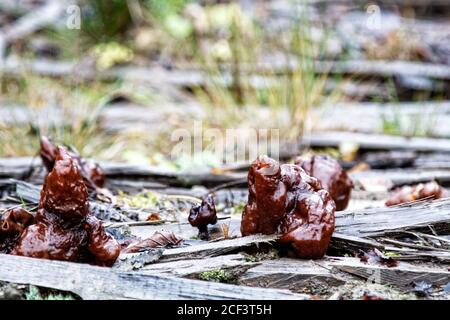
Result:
201,215
283,199
12,224
64,228
331,176
91,171
431,191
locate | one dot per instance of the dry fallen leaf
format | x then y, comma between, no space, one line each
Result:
157,240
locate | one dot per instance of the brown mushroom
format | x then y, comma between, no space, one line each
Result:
12,223
284,199
65,229
331,176
431,190
203,214
91,171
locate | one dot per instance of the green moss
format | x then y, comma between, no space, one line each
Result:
238,209
35,294
218,275
259,256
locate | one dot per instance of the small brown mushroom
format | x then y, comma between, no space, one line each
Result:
12,223
431,190
203,214
331,176
15,220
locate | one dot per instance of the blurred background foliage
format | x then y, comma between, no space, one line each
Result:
238,55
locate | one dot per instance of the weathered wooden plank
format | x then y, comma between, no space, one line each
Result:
292,274
135,177
131,176
429,118
112,117
343,243
377,222
189,267
212,249
440,161
280,273
375,141
401,276
195,78
92,282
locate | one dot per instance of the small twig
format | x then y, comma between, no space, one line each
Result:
424,235
414,246
183,197
432,230
227,185
137,223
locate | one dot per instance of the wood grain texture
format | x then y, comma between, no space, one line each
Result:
90,282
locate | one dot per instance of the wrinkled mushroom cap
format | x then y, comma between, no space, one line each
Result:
331,176
205,213
290,202
64,192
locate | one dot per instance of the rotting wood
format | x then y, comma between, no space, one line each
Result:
292,274
402,276
430,117
280,273
212,249
343,243
440,161
391,221
90,282
189,267
375,141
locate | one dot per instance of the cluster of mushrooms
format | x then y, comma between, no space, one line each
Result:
63,227
296,201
